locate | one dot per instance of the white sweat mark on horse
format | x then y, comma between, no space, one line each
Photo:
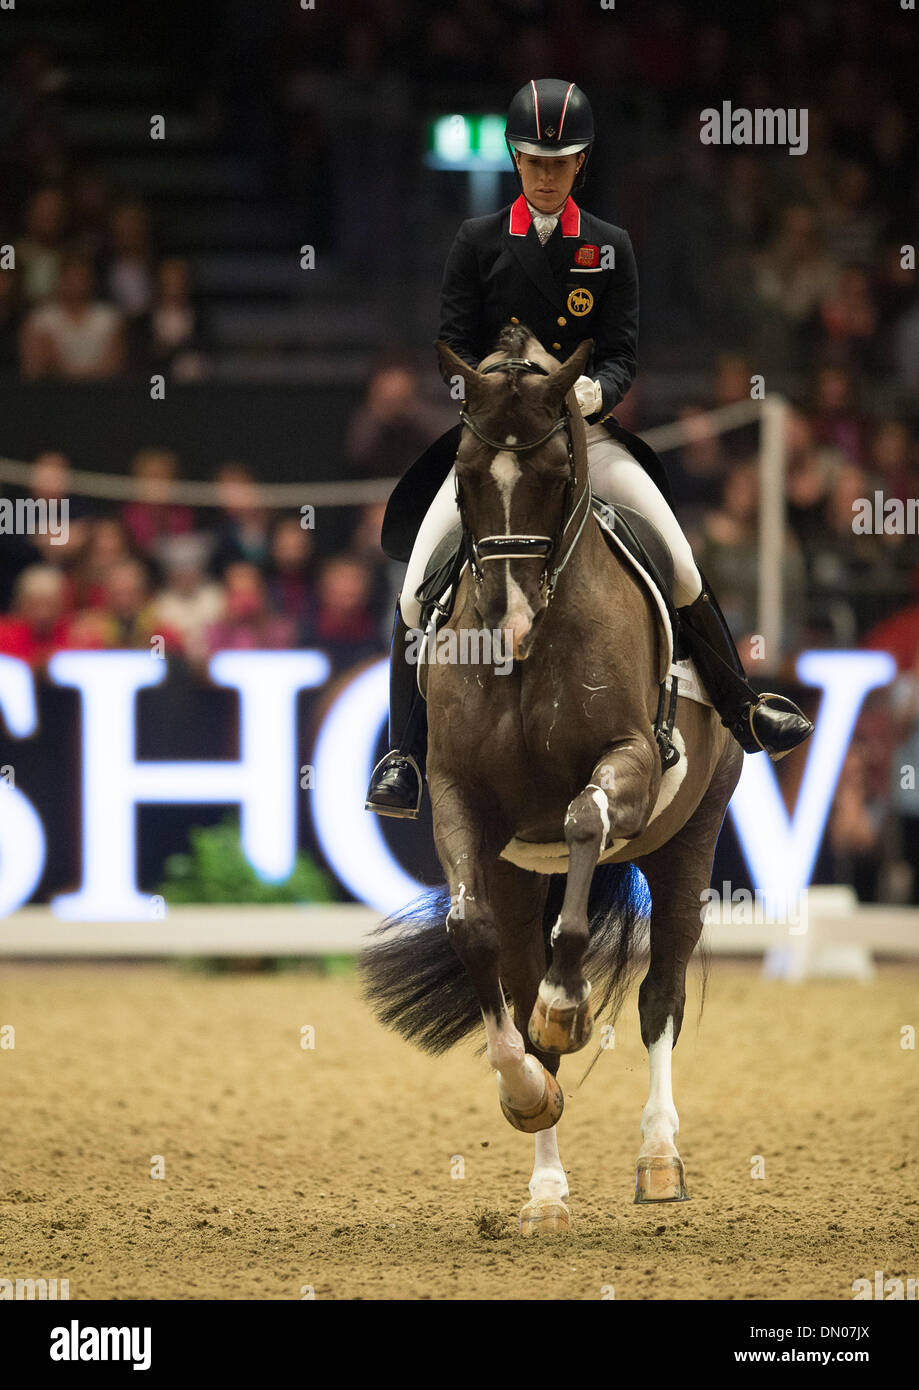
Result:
599,797
521,1079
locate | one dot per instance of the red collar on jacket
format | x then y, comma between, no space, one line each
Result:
570,218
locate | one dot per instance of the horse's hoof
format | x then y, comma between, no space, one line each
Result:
544,1114
660,1180
544,1216
558,1026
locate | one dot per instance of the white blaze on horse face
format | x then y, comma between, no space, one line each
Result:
506,470
518,616
659,1120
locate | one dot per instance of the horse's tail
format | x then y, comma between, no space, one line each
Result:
618,912
414,980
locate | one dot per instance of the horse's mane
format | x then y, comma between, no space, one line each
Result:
513,338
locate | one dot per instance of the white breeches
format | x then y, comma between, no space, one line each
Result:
614,475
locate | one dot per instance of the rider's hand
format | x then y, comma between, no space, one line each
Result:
589,394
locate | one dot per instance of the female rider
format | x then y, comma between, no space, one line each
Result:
568,276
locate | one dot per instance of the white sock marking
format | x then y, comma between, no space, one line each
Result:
659,1120
548,1178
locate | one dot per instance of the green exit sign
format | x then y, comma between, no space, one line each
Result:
467,142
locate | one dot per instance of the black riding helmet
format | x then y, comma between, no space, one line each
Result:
550,117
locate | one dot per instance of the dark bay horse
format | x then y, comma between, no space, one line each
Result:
538,771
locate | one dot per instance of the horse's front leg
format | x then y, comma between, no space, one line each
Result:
614,805
485,908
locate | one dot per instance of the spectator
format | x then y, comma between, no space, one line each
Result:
106,546
249,623
38,626
730,558
856,824
697,481
836,420
73,338
899,635
393,426
90,214
171,330
152,517
291,569
50,482
129,620
344,625
243,528
889,459
852,224
190,603
39,249
848,313
795,273
809,477
129,274
366,548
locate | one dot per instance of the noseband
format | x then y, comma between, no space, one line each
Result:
526,547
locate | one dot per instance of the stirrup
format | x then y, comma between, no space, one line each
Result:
791,708
398,812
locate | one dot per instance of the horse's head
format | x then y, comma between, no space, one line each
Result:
520,469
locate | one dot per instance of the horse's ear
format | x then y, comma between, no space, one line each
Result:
452,367
560,382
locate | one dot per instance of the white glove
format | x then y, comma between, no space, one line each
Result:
589,394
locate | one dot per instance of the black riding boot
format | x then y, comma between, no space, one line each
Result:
766,722
397,780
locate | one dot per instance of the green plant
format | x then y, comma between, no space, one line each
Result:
217,871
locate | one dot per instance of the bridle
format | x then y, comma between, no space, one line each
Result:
522,546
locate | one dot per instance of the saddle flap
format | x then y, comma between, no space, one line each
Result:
625,531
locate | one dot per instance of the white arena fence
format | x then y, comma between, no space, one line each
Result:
769,412
843,938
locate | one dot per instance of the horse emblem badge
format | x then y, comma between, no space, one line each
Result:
580,302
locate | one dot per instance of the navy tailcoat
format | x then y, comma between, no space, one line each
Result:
582,283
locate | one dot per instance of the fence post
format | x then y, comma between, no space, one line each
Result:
770,614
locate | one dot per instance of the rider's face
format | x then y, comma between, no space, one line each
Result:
547,179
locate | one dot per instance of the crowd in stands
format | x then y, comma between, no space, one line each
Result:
89,298
185,582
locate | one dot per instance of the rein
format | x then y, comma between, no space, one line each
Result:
526,546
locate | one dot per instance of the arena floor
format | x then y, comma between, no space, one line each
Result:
330,1167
